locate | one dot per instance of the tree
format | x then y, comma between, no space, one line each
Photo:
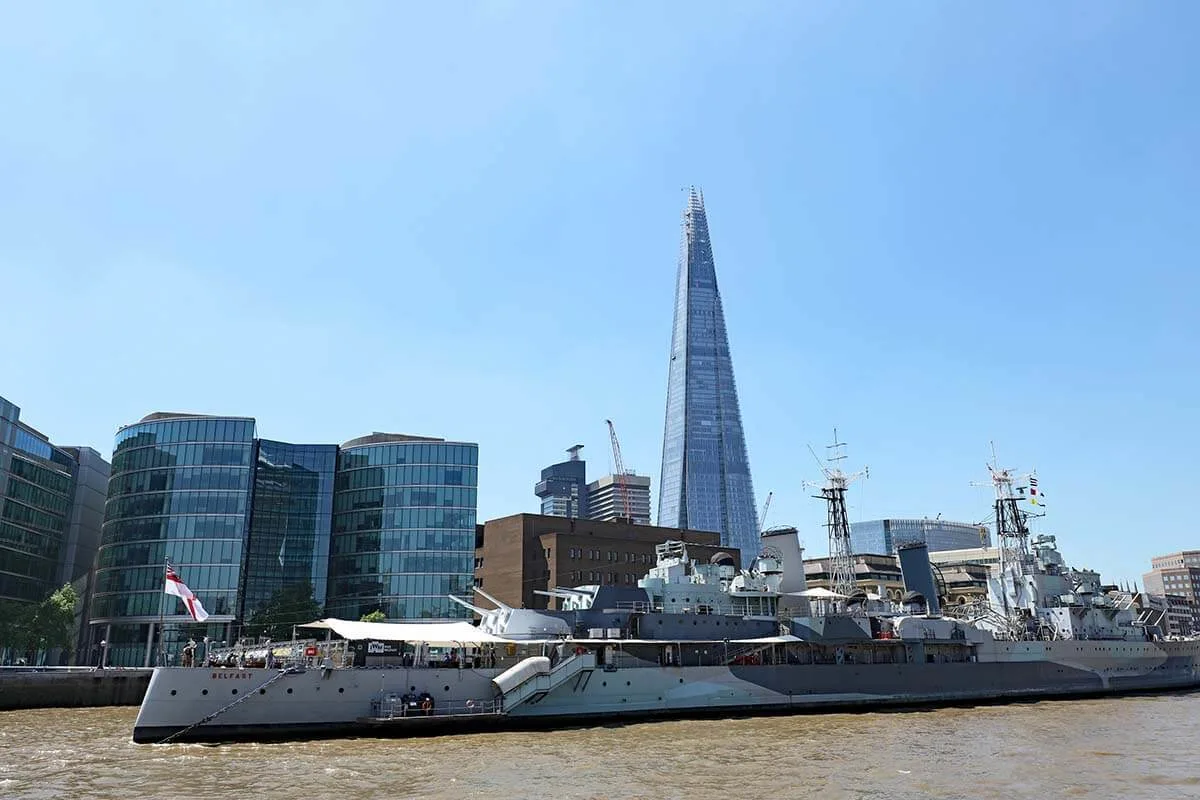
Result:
26,628
289,606
374,616
55,619
16,626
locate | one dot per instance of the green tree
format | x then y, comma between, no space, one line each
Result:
16,626
55,619
289,606
26,628
374,616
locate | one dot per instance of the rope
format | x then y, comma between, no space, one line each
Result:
220,711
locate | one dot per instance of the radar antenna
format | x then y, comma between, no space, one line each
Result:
833,492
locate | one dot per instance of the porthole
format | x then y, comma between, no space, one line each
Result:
235,691
627,683
604,683
681,680
262,691
341,690
446,688
173,693
204,691
289,691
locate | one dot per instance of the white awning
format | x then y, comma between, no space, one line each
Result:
435,633
817,591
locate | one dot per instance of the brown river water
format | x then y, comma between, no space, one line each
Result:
1133,747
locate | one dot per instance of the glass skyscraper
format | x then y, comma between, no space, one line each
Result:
705,483
403,527
563,487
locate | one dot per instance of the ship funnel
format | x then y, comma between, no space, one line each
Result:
786,542
918,575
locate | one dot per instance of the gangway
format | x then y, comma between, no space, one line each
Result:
533,678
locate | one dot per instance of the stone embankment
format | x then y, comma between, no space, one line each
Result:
71,687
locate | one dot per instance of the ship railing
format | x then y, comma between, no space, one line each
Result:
9,669
743,652
639,606
399,708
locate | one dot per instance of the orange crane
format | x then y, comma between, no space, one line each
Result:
619,468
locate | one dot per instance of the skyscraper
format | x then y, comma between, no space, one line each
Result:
606,499
705,482
563,487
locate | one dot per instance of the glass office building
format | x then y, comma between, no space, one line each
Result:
403,527
51,509
180,489
270,534
883,536
287,547
705,483
37,487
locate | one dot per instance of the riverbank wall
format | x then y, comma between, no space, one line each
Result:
71,687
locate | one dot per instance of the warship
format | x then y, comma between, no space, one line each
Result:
695,639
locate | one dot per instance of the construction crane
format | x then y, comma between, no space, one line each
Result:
619,471
762,518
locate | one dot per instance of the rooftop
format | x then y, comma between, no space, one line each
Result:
378,437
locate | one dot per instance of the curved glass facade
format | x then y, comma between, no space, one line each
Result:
287,549
403,529
180,488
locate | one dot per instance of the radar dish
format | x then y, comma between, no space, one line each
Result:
771,552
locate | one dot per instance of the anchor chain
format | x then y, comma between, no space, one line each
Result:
282,674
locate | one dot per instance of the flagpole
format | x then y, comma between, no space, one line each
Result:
162,611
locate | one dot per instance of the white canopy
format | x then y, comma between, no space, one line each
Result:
427,632
817,591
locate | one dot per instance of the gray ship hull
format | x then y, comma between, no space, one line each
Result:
239,704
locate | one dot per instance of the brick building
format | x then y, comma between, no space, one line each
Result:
518,555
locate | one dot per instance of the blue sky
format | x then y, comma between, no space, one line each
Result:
936,225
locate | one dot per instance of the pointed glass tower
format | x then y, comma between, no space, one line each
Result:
705,482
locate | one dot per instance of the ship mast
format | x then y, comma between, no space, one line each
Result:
1012,537
833,492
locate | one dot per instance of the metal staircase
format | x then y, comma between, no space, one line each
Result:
539,684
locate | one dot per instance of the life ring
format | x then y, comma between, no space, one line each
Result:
470,705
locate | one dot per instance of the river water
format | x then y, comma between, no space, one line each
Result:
1134,747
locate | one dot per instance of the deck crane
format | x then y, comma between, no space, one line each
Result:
619,471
